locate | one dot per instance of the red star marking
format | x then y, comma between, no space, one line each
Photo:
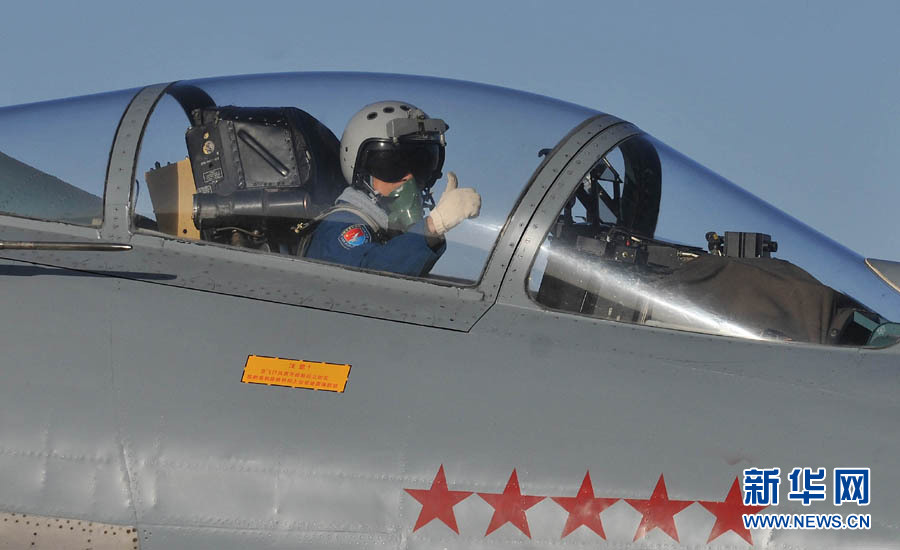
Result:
728,514
658,511
438,502
584,509
509,506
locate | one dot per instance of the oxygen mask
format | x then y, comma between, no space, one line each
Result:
404,205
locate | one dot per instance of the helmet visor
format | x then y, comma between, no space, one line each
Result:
392,162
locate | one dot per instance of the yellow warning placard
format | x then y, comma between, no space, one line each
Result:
295,373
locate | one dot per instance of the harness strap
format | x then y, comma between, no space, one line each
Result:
307,231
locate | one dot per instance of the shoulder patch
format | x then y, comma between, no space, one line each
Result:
355,235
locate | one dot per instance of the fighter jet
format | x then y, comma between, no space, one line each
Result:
622,350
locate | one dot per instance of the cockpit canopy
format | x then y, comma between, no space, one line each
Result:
633,210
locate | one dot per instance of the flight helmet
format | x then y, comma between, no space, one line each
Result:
388,140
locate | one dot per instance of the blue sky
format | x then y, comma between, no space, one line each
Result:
795,101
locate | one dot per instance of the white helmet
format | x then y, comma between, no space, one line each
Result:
390,139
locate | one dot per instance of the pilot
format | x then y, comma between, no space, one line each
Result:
391,155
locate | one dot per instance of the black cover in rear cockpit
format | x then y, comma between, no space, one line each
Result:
767,296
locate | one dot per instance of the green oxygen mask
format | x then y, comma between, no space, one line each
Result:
404,205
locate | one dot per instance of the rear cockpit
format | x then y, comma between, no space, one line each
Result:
641,241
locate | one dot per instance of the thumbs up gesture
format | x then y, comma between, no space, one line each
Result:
454,206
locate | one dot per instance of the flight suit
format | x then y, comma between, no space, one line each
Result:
345,238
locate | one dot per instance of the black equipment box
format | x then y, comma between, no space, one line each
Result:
273,148
738,244
749,245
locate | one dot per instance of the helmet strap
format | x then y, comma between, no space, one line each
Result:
364,183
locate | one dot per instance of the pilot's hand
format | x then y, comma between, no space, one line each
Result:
454,206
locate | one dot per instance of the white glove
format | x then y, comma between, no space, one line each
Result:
454,206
